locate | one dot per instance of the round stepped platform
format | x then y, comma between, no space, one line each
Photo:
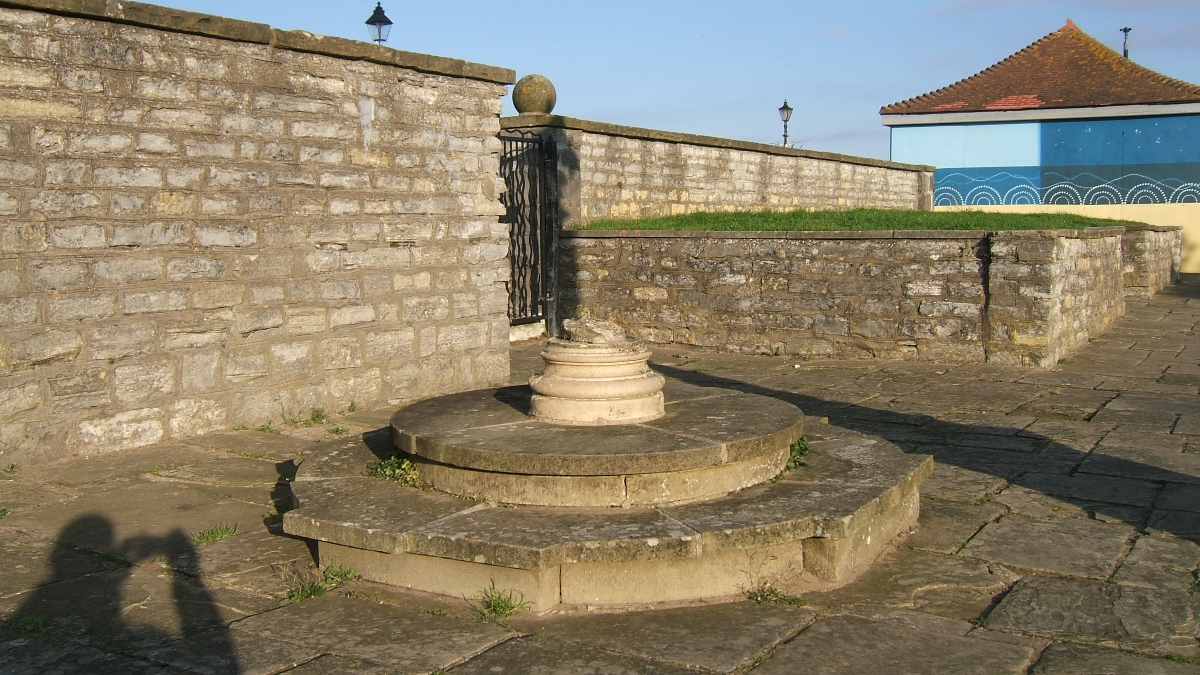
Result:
816,526
483,445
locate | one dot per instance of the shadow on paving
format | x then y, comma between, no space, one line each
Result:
87,624
1012,466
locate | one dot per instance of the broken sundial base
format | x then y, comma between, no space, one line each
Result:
719,525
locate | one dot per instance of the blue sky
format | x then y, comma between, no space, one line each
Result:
723,68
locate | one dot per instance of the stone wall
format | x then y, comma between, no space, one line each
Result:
1009,297
1152,258
207,223
608,171
1049,291
835,295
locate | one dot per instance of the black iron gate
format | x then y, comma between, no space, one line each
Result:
529,168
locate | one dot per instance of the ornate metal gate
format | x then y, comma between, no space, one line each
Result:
529,168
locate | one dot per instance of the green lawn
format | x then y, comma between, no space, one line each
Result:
858,220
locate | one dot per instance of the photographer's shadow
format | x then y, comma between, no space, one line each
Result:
129,606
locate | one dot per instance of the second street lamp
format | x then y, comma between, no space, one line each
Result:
785,114
379,24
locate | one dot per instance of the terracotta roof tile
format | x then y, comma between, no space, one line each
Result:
1066,69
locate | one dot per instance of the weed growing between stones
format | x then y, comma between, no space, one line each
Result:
214,533
304,591
268,429
11,468
29,624
765,592
1182,658
339,431
495,605
1195,587
4,512
339,575
798,452
398,469
353,407
242,427
712,370
317,416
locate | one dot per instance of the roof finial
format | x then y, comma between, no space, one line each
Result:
1125,50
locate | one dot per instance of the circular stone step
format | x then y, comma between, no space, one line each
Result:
483,445
817,526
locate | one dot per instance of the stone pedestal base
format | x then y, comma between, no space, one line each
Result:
815,528
596,385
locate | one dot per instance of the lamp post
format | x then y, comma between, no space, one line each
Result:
785,114
379,24
1125,47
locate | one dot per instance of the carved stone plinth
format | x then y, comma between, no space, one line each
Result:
596,377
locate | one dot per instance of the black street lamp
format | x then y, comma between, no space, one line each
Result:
379,24
785,114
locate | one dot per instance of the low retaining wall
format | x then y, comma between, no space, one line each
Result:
614,171
1024,297
207,222
1152,257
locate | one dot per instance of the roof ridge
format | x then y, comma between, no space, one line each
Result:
1027,76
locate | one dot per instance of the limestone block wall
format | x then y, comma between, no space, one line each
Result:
1026,298
206,223
1050,290
916,296
608,171
1152,258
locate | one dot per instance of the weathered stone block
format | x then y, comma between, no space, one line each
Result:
138,383
146,302
123,431
47,347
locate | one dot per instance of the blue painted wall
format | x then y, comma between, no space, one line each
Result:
1137,160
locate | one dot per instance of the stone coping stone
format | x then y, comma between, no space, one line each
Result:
1086,233
539,120
849,482
193,23
774,234
489,431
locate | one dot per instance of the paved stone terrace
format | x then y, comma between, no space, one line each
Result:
1058,536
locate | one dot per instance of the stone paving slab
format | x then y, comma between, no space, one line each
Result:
945,527
1093,488
1179,523
944,585
1143,463
955,484
98,469
543,656
31,561
1160,563
224,652
25,653
1079,660
1069,547
1128,616
256,445
897,643
1179,497
740,633
336,665
405,639
118,517
132,609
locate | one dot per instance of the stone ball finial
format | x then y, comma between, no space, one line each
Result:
534,94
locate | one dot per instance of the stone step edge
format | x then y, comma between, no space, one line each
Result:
296,523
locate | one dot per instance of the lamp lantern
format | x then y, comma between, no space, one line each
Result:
785,114
379,24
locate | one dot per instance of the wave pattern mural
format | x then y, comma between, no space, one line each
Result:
1068,185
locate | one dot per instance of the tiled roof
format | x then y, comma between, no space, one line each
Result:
1066,69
